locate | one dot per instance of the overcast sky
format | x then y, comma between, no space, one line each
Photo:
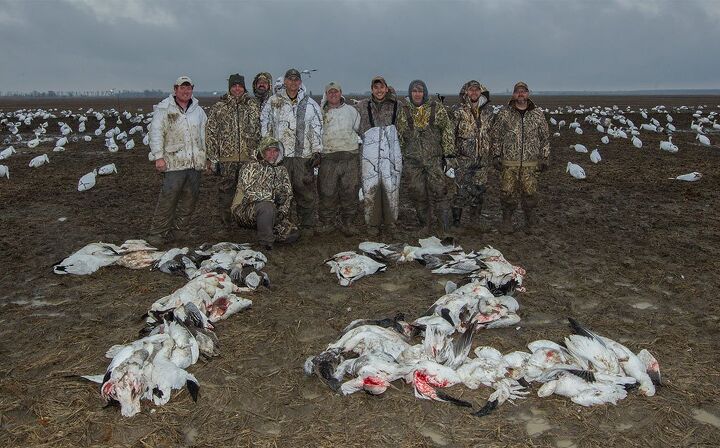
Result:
550,44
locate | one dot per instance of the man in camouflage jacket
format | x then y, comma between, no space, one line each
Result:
473,118
521,150
264,194
426,138
232,135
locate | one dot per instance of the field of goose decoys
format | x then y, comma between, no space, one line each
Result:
600,327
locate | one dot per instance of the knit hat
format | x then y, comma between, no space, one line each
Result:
236,79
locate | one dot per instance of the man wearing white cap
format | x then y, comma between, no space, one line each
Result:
293,118
339,174
177,145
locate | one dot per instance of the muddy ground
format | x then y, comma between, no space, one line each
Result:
627,251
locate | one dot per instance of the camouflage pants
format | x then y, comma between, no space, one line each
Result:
176,202
227,183
303,185
263,216
427,189
468,190
338,182
518,184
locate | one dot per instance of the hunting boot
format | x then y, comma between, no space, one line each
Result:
506,226
479,221
457,216
348,228
444,222
531,220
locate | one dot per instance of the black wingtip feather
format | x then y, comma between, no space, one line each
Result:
193,388
487,409
456,401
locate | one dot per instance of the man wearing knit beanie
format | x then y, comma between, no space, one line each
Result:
232,134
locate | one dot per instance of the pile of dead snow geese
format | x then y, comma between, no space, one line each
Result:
180,326
433,352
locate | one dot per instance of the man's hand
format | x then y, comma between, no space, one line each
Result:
160,165
497,163
543,165
314,161
451,162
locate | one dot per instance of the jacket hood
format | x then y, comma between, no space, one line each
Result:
464,99
267,142
170,100
425,91
531,105
269,78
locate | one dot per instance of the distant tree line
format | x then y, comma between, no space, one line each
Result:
87,93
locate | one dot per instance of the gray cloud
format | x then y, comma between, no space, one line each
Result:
552,45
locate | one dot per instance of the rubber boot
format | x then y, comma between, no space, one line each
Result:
444,222
457,216
531,221
506,226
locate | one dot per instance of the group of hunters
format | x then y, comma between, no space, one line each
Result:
275,151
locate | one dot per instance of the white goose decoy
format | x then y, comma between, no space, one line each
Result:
579,148
600,129
62,141
87,181
595,156
716,126
7,152
130,144
34,142
689,177
107,169
146,139
4,171
87,138
668,145
575,171
636,142
605,140
39,161
703,139
578,130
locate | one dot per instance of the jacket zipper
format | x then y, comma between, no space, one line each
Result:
237,123
522,145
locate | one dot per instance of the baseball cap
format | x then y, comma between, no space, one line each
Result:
182,80
333,85
378,79
292,73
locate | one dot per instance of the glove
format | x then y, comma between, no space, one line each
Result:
543,165
497,163
451,162
279,199
313,161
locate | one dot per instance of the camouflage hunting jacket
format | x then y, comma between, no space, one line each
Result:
426,132
518,138
297,124
262,181
374,114
233,129
472,135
